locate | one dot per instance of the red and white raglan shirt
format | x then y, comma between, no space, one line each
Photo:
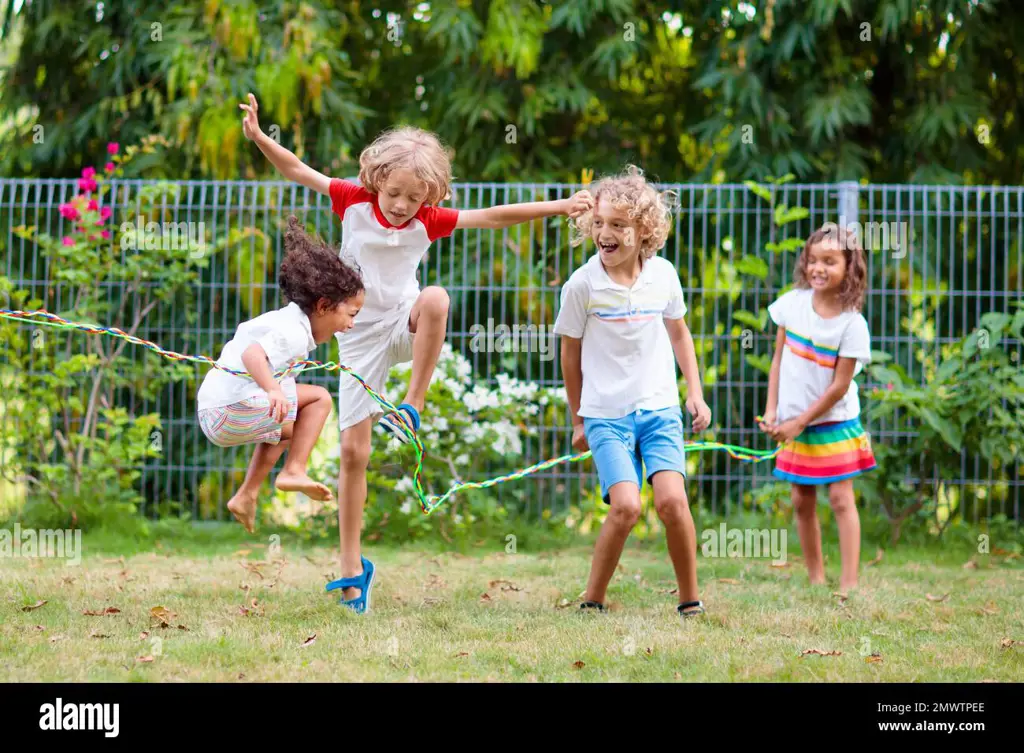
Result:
387,255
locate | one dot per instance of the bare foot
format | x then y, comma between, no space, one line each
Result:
300,482
243,507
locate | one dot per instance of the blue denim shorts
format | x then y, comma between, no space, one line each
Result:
646,440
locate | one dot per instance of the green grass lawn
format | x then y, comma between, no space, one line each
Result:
225,609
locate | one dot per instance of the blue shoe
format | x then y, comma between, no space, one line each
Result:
363,581
393,426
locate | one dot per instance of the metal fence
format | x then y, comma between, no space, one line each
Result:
943,257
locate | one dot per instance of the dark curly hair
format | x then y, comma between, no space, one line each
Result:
312,270
855,282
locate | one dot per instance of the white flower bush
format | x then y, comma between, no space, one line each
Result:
471,432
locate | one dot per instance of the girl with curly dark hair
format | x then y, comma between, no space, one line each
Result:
813,406
324,295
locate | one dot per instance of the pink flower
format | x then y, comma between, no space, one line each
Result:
105,233
889,386
105,212
93,205
109,167
68,212
88,172
86,184
112,147
68,241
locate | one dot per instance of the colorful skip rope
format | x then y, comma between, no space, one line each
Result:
428,503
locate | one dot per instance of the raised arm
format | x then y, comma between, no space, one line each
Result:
506,215
290,166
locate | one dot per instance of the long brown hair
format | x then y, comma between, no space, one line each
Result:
855,282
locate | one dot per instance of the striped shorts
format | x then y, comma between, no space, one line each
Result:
825,453
248,421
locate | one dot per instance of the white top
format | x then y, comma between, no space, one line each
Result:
386,255
628,362
813,345
285,335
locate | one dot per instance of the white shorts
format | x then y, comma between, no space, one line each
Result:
371,350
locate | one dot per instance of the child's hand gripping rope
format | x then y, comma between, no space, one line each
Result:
428,503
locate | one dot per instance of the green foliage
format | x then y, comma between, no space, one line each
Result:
72,436
972,404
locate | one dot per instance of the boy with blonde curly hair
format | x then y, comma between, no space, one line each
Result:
621,322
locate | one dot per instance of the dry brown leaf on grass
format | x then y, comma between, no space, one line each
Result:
679,676
874,658
485,597
40,627
95,634
143,635
930,597
182,627
30,607
1009,642
255,608
876,560
461,653
820,653
162,614
563,604
730,581
989,609
309,641
108,610
144,659
578,664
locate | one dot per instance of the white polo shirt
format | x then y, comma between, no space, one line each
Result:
285,335
387,255
811,351
628,362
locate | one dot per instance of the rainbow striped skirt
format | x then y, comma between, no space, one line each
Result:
826,452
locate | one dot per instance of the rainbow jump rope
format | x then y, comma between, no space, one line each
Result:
428,502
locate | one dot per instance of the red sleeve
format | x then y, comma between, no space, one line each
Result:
344,194
439,221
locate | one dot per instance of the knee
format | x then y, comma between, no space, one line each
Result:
436,302
286,431
841,501
322,395
671,508
805,503
624,513
355,455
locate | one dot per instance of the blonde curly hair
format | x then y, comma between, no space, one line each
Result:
649,208
409,148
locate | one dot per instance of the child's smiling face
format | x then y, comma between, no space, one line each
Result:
826,266
401,196
616,237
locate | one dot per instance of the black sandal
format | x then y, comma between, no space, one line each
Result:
592,605
691,608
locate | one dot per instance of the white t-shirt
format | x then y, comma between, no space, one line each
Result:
285,335
813,345
387,255
627,359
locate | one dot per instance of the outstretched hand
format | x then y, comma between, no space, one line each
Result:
251,123
579,203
